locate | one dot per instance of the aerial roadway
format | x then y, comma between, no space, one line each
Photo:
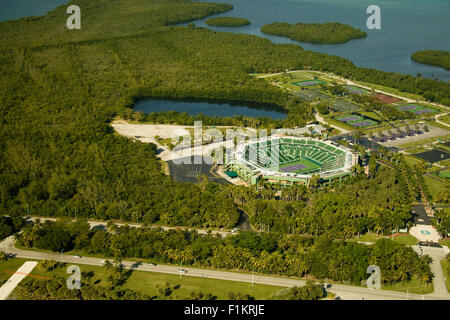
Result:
342,291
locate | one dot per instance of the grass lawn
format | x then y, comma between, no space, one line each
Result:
439,125
446,269
417,150
445,119
445,163
445,242
412,160
372,115
413,286
146,282
445,174
436,187
405,239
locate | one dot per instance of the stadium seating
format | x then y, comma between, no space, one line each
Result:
272,153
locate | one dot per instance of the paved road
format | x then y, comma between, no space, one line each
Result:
15,279
343,292
420,213
437,254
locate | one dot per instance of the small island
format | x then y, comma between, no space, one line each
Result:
433,57
322,33
227,22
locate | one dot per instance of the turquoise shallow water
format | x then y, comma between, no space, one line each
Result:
407,26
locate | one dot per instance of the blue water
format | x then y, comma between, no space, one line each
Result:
205,108
407,26
15,9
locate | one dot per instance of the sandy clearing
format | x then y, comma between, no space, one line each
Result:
146,133
149,131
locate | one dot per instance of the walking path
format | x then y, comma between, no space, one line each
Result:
439,280
16,278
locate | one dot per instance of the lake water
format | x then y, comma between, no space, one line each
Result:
407,26
206,108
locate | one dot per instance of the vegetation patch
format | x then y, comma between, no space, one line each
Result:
433,57
227,22
330,32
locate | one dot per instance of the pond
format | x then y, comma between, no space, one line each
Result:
207,108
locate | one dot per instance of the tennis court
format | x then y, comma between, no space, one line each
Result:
356,121
349,118
311,95
416,109
362,123
384,98
355,90
308,83
299,166
344,106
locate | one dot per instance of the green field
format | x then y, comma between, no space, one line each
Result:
307,163
146,282
413,286
405,239
445,242
445,119
435,186
445,174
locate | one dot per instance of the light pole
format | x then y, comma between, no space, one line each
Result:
62,255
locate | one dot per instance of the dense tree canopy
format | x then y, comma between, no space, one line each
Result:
330,32
433,57
227,22
61,89
10,225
